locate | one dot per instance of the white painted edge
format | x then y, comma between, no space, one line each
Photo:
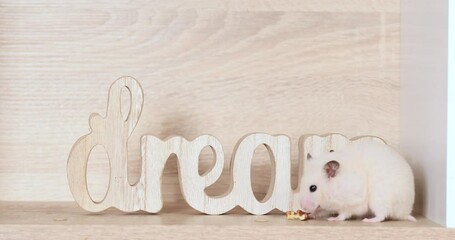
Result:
450,221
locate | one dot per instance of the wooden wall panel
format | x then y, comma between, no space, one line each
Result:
225,68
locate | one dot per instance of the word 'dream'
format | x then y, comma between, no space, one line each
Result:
112,132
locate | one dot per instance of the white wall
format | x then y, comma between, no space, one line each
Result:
451,120
424,104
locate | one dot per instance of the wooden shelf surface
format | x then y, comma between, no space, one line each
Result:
56,220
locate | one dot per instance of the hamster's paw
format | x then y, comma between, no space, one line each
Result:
339,218
411,218
334,219
374,220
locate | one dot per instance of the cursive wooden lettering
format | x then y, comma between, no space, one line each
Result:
113,132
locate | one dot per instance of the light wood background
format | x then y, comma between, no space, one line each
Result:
225,68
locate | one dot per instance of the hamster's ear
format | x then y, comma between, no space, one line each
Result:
331,168
309,157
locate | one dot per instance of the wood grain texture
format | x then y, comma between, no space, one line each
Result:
111,132
240,193
44,220
220,67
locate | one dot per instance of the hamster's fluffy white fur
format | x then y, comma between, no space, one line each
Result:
370,178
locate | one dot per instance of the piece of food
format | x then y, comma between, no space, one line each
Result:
299,215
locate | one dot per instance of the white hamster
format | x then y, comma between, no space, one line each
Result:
365,177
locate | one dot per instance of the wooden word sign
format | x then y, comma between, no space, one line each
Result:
113,131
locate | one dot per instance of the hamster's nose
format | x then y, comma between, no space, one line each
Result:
306,205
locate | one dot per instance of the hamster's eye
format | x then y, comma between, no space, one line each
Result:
313,188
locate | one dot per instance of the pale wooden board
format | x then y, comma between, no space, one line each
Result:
44,220
291,67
